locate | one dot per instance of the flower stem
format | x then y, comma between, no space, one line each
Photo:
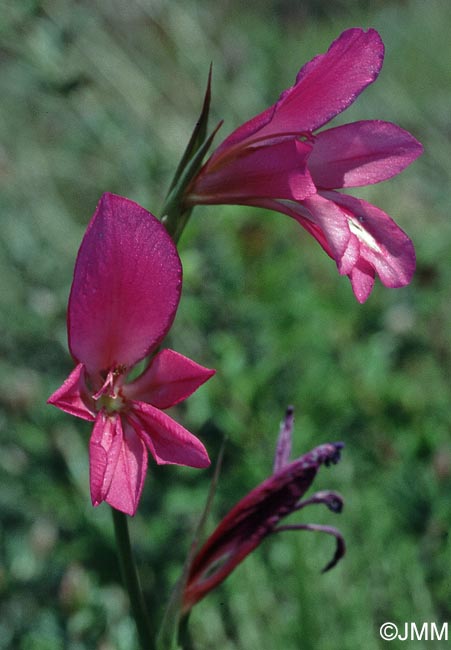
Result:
131,580
175,221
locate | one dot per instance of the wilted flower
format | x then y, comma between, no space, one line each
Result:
259,513
124,296
277,160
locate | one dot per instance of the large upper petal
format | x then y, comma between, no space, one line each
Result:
329,83
167,441
324,87
74,396
126,286
170,378
118,463
361,153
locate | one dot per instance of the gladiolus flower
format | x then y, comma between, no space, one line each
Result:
124,296
259,513
277,160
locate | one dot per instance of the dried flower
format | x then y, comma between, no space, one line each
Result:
259,513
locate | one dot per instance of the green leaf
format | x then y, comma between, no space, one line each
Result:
198,135
175,215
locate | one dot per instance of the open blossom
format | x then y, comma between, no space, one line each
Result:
259,513
278,160
124,296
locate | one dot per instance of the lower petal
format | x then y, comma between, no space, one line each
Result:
167,441
104,448
320,217
127,485
118,464
332,222
350,256
362,280
361,238
383,245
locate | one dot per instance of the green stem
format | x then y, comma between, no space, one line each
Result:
131,580
175,223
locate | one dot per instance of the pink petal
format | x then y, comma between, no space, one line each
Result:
278,170
167,441
244,133
383,245
361,153
362,280
126,286
169,379
128,481
332,222
298,212
104,449
74,397
361,238
329,83
324,87
118,464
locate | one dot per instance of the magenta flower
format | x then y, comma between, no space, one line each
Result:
277,160
259,513
124,296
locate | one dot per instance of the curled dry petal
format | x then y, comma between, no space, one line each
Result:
126,287
340,548
283,447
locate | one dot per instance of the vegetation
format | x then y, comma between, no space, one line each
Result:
101,96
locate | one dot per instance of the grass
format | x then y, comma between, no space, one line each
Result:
102,96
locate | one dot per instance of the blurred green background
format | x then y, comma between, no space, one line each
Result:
101,95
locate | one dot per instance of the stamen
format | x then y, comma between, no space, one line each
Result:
362,234
109,396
